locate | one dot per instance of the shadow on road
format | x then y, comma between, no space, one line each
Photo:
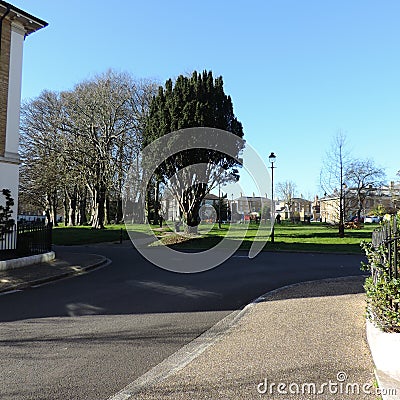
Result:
132,285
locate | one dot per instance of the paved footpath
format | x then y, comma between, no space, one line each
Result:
65,265
295,342
308,337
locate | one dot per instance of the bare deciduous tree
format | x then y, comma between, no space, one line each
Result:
77,146
42,154
360,176
286,191
333,173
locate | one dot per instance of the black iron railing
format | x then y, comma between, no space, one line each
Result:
24,240
388,236
383,290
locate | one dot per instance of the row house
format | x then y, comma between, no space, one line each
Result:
298,209
246,207
386,196
171,211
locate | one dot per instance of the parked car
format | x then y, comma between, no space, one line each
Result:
355,219
372,219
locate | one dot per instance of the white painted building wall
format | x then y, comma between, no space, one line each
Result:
14,91
9,164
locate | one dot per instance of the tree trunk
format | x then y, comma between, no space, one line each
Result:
360,204
66,211
192,219
53,212
191,203
48,216
118,215
72,200
107,211
156,204
93,196
51,209
82,208
99,204
140,214
55,206
190,229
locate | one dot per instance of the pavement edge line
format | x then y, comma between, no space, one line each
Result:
178,360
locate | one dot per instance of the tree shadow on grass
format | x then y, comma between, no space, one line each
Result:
201,244
353,234
70,236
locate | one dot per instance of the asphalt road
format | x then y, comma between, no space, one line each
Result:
89,336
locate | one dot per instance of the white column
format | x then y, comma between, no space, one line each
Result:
14,92
10,161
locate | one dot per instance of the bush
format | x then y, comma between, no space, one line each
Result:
6,222
382,289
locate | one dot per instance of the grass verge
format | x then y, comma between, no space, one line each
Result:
75,235
288,237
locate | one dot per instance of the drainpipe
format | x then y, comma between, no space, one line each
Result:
1,24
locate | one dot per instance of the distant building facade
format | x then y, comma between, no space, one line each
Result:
386,196
171,211
246,208
299,209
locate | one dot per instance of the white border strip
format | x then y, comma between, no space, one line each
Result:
24,261
183,356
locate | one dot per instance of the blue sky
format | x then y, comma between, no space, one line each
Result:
297,71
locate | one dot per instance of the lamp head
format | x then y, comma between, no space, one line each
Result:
272,157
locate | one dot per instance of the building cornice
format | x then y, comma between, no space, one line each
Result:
29,23
17,27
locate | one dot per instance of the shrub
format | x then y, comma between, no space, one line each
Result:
382,289
6,222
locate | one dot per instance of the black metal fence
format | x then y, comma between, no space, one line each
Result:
388,237
384,265
383,286
24,240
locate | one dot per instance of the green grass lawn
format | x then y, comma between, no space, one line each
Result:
292,237
72,235
288,237
75,235
320,237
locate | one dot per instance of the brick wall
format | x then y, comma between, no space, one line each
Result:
4,73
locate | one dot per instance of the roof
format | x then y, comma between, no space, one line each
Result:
252,198
28,21
301,199
210,196
380,191
170,195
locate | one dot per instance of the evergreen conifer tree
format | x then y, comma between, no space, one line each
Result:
195,101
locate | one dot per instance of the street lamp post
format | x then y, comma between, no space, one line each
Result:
232,209
219,206
272,158
342,215
344,202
